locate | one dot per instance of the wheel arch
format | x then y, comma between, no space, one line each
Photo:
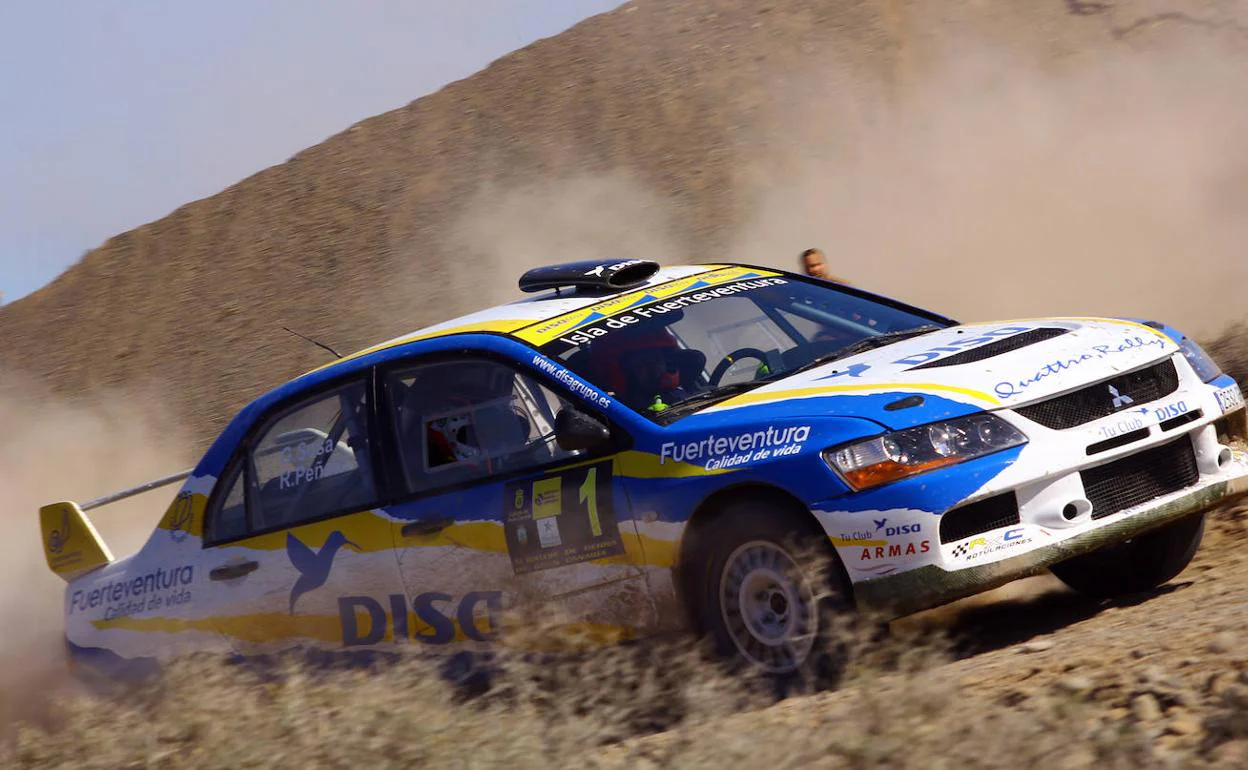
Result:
685,571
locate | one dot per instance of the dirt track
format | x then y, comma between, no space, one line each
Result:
1190,629
1158,677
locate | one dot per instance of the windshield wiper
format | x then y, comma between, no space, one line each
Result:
863,345
881,340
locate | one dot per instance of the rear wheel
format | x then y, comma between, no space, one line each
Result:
1136,565
769,590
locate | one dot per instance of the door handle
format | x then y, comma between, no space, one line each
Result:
231,571
430,526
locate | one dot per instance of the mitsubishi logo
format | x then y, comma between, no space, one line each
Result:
1120,400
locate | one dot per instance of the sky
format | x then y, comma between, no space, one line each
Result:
113,114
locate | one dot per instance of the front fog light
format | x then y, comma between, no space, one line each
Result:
875,461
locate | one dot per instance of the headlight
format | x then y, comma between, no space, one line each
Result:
893,456
1206,368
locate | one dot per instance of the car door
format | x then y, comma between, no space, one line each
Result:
297,550
499,516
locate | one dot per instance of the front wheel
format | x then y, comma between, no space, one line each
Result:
1136,565
769,591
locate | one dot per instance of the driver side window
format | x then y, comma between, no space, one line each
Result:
469,419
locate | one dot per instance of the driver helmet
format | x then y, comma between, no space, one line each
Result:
610,356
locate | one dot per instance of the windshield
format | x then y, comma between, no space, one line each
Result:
707,344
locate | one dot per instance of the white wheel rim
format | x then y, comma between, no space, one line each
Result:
768,607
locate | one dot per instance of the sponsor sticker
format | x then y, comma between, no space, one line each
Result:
893,529
856,539
1121,425
593,395
718,452
885,558
570,511
547,497
895,550
552,329
431,618
137,594
1171,410
594,328
1009,388
961,345
977,548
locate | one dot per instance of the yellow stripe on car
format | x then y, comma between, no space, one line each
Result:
826,390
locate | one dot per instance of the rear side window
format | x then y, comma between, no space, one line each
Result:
307,462
230,519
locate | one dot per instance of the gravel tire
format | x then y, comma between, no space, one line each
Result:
761,596
1139,564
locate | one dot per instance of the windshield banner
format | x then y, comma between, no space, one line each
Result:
711,284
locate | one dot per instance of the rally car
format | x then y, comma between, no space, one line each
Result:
639,449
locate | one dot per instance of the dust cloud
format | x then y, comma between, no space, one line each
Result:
509,230
991,187
986,185
60,450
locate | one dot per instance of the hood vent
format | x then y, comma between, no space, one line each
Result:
993,349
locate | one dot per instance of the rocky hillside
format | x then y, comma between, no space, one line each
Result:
662,126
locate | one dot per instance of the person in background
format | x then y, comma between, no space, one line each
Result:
814,264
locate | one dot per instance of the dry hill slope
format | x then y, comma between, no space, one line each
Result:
665,125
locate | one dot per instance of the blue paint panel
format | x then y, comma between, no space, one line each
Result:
1222,381
484,501
807,478
845,406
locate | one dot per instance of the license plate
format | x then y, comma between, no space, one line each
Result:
1230,399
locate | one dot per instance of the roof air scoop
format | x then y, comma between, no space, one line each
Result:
593,274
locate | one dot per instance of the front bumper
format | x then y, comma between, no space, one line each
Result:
931,585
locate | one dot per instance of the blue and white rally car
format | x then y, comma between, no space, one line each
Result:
637,449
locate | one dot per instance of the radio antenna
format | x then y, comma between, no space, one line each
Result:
314,342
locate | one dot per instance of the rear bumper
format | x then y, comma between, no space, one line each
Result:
931,585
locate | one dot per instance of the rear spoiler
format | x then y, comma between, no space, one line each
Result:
71,543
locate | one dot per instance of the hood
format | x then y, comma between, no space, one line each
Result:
963,369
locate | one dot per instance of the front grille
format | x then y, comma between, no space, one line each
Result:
979,517
993,349
1126,391
1140,477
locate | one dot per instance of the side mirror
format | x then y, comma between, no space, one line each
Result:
575,430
